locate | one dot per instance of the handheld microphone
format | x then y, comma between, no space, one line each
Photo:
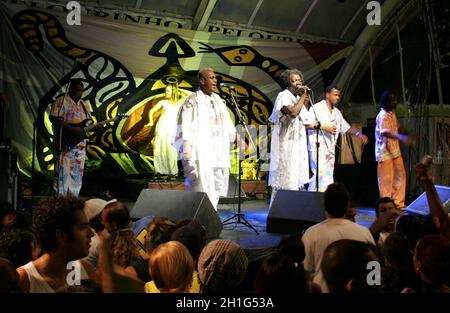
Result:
305,87
223,85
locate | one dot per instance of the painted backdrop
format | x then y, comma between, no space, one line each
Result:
127,65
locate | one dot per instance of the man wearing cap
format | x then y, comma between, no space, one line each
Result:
93,209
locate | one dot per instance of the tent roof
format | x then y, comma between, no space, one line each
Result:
335,20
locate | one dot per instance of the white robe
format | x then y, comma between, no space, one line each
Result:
327,145
206,125
289,169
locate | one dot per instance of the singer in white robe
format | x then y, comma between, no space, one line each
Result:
204,139
289,168
332,123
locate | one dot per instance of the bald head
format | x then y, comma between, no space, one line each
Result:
207,80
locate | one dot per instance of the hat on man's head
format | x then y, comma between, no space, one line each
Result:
222,265
94,207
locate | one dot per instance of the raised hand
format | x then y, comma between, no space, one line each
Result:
423,169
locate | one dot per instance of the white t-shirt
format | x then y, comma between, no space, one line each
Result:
317,238
38,283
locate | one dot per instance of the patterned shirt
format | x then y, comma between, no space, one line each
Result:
71,112
386,148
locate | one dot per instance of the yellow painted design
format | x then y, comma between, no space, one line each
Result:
236,56
274,68
158,85
53,31
184,84
42,17
29,33
29,17
25,26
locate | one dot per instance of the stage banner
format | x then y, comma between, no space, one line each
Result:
139,67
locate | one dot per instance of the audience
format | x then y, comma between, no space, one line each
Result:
93,209
431,263
385,216
334,227
221,266
293,248
158,231
124,248
171,267
437,210
398,271
411,227
19,246
9,278
10,219
69,238
344,266
280,275
115,216
64,235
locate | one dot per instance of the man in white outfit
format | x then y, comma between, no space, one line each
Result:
332,124
289,168
204,139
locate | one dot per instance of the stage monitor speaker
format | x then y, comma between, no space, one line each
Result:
292,212
177,205
233,192
420,205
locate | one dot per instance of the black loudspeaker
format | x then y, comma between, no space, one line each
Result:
292,212
233,192
177,205
420,205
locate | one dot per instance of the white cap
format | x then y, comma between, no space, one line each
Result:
94,207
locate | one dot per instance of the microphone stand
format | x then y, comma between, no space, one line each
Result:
33,140
240,216
318,129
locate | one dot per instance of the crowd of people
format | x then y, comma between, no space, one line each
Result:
94,246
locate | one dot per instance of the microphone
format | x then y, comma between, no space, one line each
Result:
223,85
305,87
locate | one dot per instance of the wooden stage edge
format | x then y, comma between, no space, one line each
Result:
252,188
